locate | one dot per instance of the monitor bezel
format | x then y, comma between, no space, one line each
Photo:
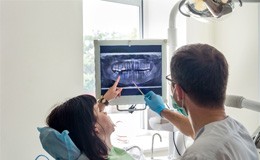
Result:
133,99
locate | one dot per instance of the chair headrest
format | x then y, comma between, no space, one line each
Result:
58,145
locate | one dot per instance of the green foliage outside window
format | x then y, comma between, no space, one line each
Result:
89,56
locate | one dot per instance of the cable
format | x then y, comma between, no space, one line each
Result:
167,106
41,155
173,138
256,140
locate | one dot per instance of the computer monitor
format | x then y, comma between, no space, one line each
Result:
141,61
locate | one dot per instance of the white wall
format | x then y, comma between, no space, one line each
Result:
237,36
156,20
199,32
0,79
41,64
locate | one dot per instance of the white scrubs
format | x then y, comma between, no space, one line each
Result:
222,140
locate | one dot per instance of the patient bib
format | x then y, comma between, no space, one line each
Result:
119,154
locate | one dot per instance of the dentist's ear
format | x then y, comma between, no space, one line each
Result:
179,92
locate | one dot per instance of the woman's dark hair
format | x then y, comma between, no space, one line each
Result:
77,116
202,72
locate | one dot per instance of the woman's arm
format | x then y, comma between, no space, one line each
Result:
112,93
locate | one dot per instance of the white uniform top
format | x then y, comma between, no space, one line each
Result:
222,140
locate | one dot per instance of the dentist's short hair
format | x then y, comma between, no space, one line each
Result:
202,72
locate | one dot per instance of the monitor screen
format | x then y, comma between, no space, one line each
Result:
142,62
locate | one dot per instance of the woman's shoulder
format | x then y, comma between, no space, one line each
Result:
118,154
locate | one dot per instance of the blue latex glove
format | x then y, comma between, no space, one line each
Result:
154,101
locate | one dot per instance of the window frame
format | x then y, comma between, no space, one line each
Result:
138,3
143,124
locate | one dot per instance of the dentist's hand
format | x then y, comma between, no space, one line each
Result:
154,101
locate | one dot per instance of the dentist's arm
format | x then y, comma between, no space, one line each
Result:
112,93
179,121
155,102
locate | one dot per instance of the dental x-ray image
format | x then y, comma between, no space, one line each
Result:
141,64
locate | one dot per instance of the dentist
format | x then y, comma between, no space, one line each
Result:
199,76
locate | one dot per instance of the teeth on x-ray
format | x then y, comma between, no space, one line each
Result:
134,65
140,67
136,69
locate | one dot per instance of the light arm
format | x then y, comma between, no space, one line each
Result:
241,102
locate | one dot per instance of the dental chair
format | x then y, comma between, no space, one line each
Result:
59,145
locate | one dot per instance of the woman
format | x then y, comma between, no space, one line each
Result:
89,126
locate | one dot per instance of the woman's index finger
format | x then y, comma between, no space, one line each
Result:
117,81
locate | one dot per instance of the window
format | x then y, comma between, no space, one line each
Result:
111,19
108,20
116,19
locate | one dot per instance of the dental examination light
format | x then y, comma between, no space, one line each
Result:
207,8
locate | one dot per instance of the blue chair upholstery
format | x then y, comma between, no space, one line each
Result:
59,145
